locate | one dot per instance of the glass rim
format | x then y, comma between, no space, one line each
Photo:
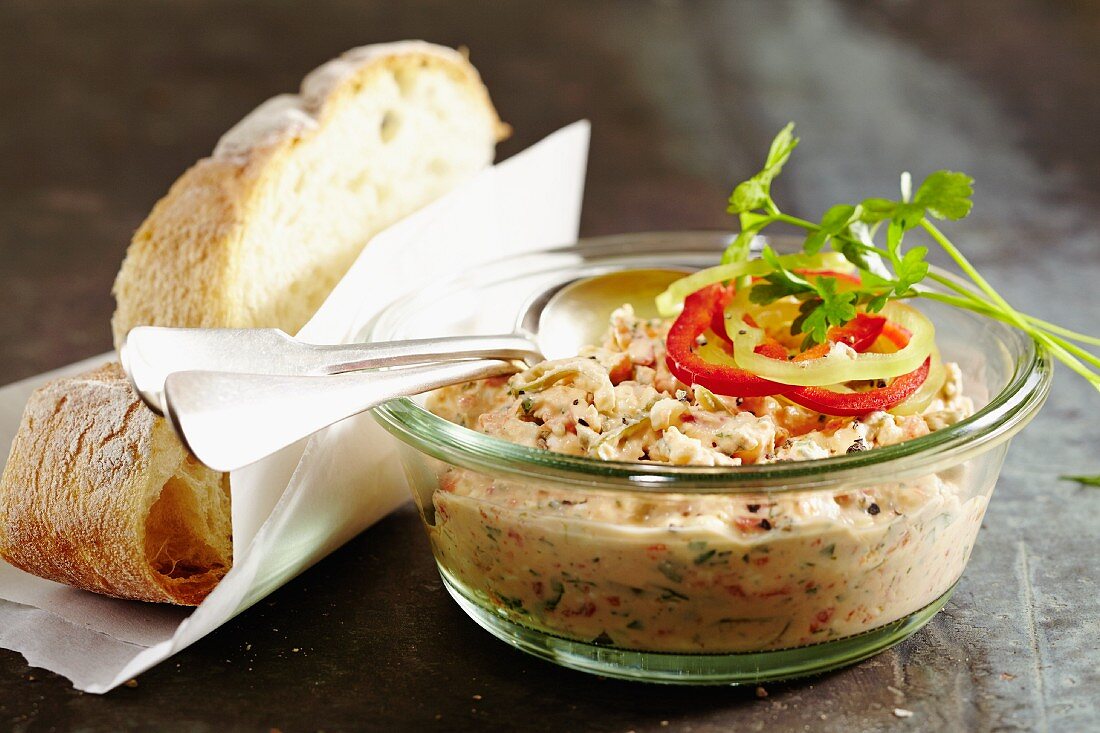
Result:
1006,412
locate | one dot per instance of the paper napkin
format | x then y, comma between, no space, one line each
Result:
292,509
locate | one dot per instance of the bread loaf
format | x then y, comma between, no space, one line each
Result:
98,492
259,233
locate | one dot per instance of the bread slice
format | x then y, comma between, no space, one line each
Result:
259,233
99,493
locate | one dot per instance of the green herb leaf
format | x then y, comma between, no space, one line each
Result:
780,283
754,193
873,211
829,308
749,195
814,323
946,194
834,221
908,216
894,234
1083,480
911,269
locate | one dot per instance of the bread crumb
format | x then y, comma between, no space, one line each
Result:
131,683
761,692
903,713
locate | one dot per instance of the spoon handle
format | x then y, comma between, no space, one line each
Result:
230,420
151,353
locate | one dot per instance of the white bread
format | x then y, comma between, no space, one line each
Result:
259,233
98,492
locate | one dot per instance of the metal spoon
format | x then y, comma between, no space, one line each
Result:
243,394
150,353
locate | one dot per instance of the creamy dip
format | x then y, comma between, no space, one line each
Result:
692,573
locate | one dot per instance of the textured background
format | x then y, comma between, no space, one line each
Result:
105,103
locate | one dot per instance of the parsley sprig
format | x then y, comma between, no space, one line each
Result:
888,272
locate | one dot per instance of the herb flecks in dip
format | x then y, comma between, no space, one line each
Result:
693,573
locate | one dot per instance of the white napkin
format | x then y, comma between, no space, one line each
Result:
292,509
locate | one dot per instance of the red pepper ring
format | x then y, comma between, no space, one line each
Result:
897,391
705,309
700,309
829,402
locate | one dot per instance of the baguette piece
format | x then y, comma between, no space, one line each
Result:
99,493
258,234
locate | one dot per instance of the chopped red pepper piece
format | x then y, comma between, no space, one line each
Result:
859,333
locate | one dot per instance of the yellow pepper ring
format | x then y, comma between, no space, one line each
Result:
671,301
838,365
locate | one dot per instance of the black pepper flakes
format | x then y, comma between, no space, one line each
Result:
582,421
576,402
822,418
857,446
754,508
873,509
765,524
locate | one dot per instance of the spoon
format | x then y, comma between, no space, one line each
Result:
238,395
150,353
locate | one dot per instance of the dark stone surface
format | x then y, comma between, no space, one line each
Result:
105,103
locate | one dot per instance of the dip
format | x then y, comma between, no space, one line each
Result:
693,572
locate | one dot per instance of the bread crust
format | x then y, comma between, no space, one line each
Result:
86,468
181,263
98,492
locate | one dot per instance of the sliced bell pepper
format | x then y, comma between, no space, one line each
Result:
705,309
895,393
829,402
701,310
835,367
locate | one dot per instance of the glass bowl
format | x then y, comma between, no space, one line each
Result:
700,574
